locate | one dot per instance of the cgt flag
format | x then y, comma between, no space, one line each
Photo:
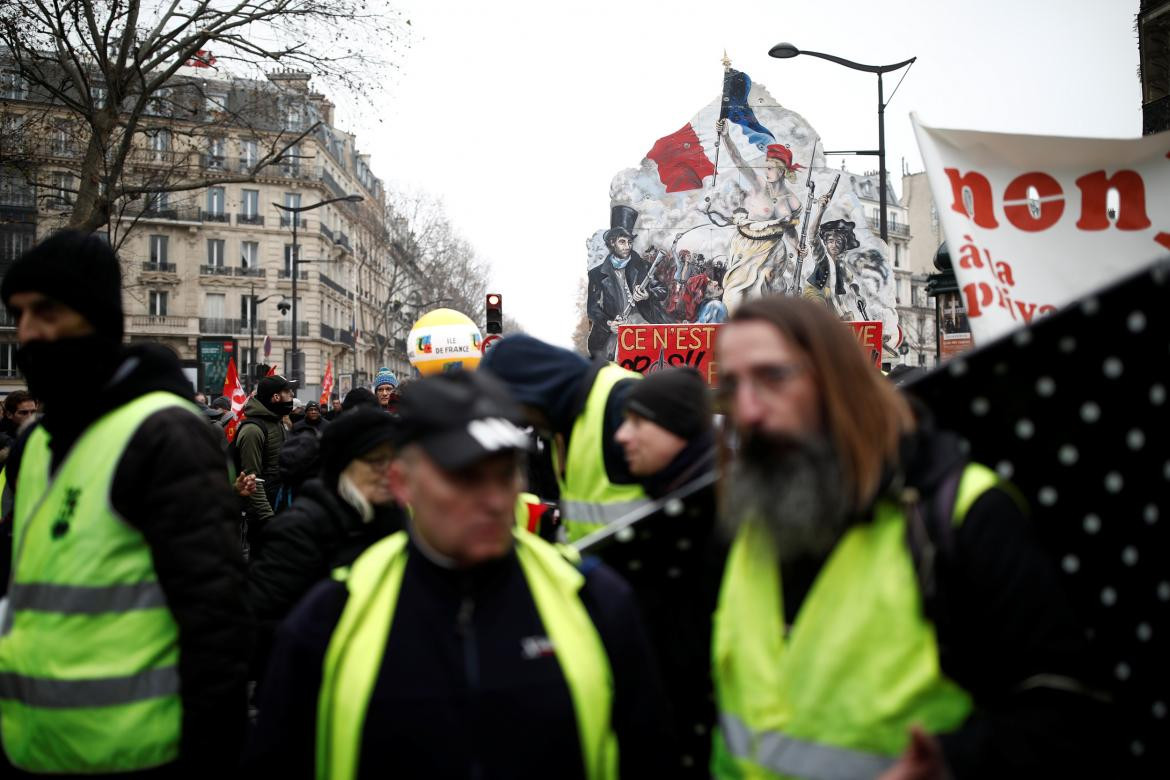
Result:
327,384
235,391
685,157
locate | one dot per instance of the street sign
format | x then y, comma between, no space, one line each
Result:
489,341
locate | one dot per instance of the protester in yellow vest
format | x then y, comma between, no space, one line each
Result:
577,406
463,647
125,637
884,610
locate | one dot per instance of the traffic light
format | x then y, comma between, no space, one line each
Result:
495,313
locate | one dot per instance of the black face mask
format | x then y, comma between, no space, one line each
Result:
281,408
53,368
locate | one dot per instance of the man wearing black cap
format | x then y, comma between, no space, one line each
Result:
125,640
313,423
258,442
464,647
675,559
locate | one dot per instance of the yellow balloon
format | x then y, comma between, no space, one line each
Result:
444,340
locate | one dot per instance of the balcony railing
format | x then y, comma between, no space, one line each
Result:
159,268
343,240
253,272
328,333
346,337
159,322
325,231
215,162
6,318
284,273
214,270
332,183
894,228
332,285
249,219
185,214
215,326
215,216
19,198
284,328
286,221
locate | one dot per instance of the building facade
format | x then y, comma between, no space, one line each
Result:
916,315
208,270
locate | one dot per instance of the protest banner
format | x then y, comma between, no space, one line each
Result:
647,348
1034,222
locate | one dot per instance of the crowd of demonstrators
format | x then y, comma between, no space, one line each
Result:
464,647
334,517
126,636
577,406
856,599
386,390
885,610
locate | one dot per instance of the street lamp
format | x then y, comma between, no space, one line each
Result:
786,51
253,302
296,211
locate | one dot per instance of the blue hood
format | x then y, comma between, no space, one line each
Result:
539,375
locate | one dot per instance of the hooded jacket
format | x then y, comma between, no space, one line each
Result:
258,441
171,484
557,382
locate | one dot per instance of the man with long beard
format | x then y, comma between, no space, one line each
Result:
885,611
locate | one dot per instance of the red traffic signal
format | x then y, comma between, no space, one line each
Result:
495,313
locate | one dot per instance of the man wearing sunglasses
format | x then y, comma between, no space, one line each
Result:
885,611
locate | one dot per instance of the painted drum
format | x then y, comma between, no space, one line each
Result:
444,340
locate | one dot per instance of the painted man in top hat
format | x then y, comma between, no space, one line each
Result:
613,285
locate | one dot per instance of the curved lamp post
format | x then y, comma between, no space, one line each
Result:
787,51
296,260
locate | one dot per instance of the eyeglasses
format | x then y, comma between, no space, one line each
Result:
766,380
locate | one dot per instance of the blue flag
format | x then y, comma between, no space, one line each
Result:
736,86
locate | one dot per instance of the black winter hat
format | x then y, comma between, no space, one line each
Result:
676,399
352,434
359,396
79,270
270,386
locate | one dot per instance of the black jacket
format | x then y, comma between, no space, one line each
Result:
674,564
172,485
303,544
1007,627
457,696
603,301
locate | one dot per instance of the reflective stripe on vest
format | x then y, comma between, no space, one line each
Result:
588,499
354,657
89,651
835,695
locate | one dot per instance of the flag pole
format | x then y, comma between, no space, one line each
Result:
719,124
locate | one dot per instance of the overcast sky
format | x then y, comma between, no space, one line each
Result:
519,112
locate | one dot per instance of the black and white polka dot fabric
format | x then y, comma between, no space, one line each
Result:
1074,411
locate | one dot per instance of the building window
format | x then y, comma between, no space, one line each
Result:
292,118
158,249
288,260
249,254
15,190
290,164
213,306
215,154
13,244
156,202
62,189
249,154
247,311
250,204
159,141
215,252
8,360
215,198
158,303
214,103
12,86
100,96
292,200
159,104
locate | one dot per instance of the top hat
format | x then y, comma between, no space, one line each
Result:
621,223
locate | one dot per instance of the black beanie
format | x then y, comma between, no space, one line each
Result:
79,270
675,399
352,434
359,396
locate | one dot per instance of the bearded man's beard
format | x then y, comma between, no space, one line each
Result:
794,488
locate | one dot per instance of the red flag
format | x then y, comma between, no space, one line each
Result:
235,391
327,384
271,370
682,162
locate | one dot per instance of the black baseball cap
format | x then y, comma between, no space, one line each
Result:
271,385
461,417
